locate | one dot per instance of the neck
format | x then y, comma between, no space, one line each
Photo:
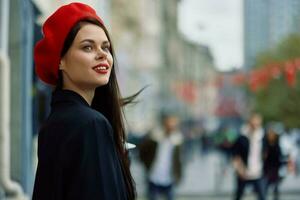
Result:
87,94
167,132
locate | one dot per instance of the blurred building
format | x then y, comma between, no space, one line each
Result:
136,35
232,101
47,7
266,22
17,27
189,67
151,52
197,73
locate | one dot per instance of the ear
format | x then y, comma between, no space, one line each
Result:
62,64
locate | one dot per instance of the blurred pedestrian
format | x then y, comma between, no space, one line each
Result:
272,159
247,157
224,140
289,147
81,146
160,153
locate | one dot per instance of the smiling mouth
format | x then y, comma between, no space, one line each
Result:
101,69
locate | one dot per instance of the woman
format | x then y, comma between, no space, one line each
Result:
272,159
81,147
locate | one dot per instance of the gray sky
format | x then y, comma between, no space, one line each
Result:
217,24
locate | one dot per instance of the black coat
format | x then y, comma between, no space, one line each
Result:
272,161
77,156
241,148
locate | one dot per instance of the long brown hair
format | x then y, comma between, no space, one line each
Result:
108,101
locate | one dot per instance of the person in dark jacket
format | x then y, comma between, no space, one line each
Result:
160,154
81,145
272,158
248,159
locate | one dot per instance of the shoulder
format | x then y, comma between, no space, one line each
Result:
95,124
241,140
78,116
93,132
71,121
176,138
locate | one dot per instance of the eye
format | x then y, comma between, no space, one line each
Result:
87,48
106,48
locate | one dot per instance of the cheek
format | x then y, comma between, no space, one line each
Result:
110,60
81,62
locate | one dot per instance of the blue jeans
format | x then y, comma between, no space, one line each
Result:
275,184
257,185
155,190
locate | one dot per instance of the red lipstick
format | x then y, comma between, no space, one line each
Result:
101,68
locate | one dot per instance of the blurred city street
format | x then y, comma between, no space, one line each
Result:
204,180
208,64
219,197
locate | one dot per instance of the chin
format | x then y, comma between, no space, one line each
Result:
102,83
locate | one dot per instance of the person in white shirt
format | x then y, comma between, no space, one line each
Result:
248,159
160,153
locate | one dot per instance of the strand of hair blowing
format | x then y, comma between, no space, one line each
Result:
107,101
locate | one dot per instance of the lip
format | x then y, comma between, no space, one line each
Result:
101,71
102,65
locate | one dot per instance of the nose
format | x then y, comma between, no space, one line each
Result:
100,54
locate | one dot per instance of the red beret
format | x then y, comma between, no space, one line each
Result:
47,51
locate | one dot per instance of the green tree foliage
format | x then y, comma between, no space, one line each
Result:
278,101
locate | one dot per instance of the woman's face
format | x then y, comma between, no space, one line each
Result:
88,62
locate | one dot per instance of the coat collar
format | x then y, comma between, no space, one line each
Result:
59,96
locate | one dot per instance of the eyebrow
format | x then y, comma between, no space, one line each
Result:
92,41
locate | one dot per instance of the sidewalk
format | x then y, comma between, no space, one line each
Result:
249,197
205,178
